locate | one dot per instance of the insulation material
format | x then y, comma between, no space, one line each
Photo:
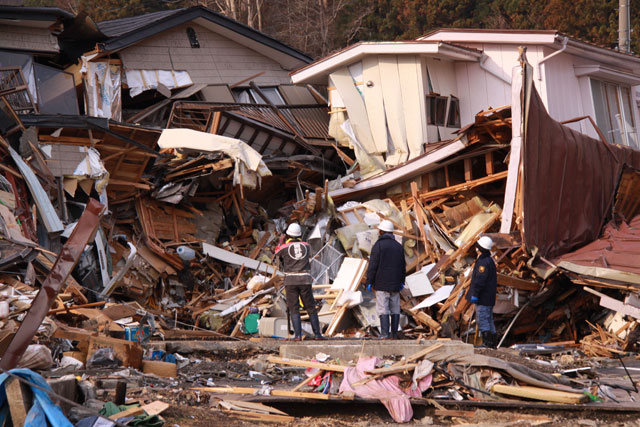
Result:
413,103
141,80
369,164
103,89
374,102
249,167
398,150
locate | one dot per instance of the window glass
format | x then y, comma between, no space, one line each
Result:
629,122
614,113
613,106
453,118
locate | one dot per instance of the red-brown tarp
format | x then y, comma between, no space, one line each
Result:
570,183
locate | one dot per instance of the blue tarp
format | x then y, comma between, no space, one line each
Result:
43,412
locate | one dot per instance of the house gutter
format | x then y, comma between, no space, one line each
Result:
546,58
490,71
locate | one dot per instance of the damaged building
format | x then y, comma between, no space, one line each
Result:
149,165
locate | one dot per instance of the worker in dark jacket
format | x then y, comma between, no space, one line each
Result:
295,255
482,291
386,275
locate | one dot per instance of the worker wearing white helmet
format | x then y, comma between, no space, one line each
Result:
386,275
295,255
482,291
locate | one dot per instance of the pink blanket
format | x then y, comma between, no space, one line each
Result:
387,390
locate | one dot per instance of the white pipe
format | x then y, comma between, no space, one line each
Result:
546,58
490,71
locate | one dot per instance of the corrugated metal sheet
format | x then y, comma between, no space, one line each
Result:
570,182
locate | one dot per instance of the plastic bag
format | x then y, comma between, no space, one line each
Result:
103,358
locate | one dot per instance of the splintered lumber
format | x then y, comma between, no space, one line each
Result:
615,305
538,393
388,370
131,412
239,405
19,398
259,417
517,283
250,390
306,364
412,358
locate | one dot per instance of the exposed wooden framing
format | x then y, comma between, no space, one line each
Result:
468,172
215,124
488,163
464,186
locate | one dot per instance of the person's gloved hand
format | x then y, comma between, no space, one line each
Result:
369,286
402,286
474,300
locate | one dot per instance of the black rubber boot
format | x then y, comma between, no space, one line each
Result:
384,326
315,325
494,340
297,326
395,322
486,339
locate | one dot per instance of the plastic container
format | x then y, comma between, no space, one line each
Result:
186,253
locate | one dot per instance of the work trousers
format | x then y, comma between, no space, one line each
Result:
387,303
303,292
484,317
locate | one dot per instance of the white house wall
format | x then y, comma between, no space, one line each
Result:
478,89
568,96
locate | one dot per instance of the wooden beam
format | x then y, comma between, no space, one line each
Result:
20,400
516,283
250,390
306,364
538,393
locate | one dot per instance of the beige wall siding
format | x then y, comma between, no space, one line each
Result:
217,61
27,39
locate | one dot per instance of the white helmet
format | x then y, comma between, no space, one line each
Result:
485,242
294,230
386,226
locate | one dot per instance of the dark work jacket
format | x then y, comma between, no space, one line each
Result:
387,266
484,280
295,255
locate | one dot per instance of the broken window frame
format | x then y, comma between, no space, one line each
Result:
613,108
453,113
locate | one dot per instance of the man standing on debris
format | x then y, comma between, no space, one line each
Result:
386,274
295,255
482,291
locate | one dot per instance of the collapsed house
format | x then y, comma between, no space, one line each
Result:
184,126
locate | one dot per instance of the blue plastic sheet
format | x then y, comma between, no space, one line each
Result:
43,411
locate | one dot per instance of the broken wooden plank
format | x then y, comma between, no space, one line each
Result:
517,283
20,400
538,393
306,364
615,305
388,370
250,390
